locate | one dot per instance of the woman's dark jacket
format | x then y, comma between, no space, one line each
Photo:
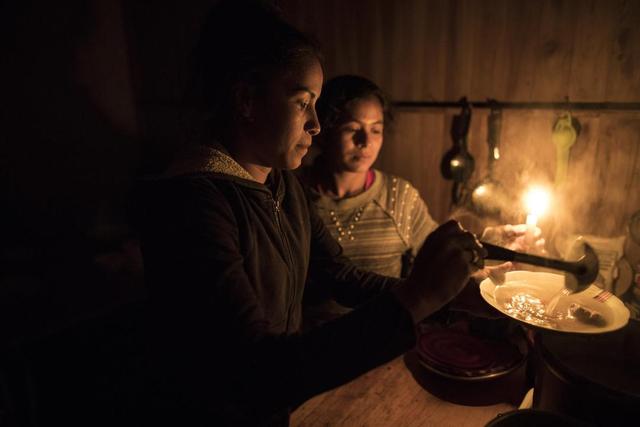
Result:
226,260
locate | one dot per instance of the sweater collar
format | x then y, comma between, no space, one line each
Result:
213,159
353,202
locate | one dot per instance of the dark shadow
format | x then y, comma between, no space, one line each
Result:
87,374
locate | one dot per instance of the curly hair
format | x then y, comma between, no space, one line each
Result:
339,92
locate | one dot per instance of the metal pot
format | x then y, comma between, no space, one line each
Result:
592,378
487,362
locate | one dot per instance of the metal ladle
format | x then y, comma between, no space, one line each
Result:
582,272
457,163
488,197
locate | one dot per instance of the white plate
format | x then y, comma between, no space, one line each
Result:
545,286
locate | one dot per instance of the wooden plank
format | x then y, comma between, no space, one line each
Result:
554,50
401,53
593,39
627,178
624,63
416,48
340,39
433,48
518,60
618,148
489,30
435,190
460,49
374,63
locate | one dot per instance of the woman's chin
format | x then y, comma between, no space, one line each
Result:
294,162
360,167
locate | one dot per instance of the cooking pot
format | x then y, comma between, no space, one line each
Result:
595,378
444,362
470,354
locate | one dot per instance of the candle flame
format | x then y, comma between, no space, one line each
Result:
537,201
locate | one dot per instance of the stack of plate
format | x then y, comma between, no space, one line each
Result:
458,355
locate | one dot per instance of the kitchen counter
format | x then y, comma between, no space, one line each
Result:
391,395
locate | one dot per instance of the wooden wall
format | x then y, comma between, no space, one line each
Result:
508,50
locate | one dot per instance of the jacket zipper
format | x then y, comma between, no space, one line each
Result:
285,242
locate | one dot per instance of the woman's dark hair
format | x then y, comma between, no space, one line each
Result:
243,41
341,91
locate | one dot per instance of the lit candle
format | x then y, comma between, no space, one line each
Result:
536,202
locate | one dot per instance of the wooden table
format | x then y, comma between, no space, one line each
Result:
390,395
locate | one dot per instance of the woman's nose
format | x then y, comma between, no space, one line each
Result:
362,138
312,126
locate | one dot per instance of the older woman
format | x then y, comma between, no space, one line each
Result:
229,240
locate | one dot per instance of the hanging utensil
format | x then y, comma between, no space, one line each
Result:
564,135
488,196
583,272
458,164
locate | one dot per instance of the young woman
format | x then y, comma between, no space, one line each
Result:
379,218
229,240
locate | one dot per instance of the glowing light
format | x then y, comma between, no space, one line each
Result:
455,163
496,153
537,201
480,190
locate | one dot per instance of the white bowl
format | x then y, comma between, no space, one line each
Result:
545,286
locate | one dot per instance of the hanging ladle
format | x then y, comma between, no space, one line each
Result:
457,164
488,197
582,272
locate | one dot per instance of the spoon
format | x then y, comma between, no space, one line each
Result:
582,272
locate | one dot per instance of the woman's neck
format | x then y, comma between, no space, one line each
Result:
340,184
244,156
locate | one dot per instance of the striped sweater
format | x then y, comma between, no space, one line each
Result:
376,227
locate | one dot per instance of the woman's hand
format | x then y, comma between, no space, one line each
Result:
441,270
520,237
497,273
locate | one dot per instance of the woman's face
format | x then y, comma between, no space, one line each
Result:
354,144
284,117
